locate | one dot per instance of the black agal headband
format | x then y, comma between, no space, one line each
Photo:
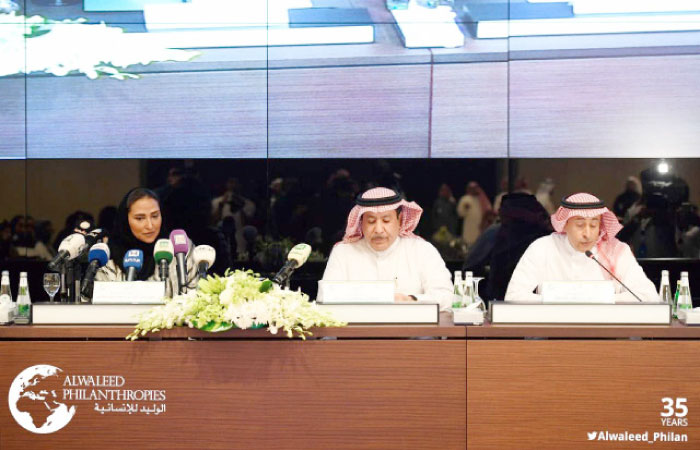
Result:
381,201
589,205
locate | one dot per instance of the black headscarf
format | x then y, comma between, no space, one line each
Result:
123,240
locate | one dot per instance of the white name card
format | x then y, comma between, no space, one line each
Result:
356,291
128,292
602,291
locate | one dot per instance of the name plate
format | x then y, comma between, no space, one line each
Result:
128,292
356,291
373,313
618,314
601,291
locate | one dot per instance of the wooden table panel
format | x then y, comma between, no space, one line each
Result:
258,394
675,331
548,394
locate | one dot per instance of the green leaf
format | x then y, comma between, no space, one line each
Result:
266,286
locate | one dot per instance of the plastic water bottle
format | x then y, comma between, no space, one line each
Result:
24,302
468,291
685,302
458,283
665,288
685,274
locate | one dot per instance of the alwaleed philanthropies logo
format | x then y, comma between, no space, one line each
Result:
34,400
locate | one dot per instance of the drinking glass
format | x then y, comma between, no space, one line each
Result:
52,283
477,297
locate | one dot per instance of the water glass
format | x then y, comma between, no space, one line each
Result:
52,283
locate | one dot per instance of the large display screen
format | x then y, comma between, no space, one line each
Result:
349,79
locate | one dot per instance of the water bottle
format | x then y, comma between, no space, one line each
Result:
457,298
468,291
24,302
665,288
6,305
685,274
685,302
675,299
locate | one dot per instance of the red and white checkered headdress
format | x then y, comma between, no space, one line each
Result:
587,205
379,200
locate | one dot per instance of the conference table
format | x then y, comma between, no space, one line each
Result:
382,386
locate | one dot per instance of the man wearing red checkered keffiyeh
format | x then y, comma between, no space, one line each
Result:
379,244
581,224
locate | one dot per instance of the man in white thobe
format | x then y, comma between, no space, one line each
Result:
582,225
379,244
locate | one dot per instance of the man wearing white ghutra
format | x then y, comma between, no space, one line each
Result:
379,244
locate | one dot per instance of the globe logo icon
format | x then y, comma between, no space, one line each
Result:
34,400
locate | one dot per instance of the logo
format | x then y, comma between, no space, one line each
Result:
592,435
34,400
43,399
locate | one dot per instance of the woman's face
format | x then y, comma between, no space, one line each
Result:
145,220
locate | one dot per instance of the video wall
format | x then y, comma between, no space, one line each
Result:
349,79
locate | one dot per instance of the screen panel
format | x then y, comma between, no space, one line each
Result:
593,87
12,84
190,108
366,111
605,107
612,80
366,98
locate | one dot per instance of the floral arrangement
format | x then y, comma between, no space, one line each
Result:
36,44
240,299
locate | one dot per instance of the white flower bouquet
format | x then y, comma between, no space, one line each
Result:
240,299
36,44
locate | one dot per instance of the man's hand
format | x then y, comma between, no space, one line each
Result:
398,297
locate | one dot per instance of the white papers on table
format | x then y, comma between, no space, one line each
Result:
589,24
220,14
428,27
628,6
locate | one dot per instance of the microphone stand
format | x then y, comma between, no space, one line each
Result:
63,296
70,278
590,255
77,281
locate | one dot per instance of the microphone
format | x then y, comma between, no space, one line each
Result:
163,254
180,247
71,247
98,257
296,258
133,261
590,255
204,257
94,236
